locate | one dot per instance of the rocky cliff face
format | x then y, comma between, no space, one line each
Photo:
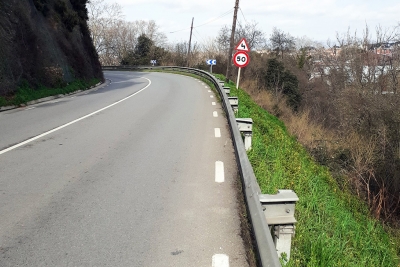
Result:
45,42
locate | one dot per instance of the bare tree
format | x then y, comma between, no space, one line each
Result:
223,39
281,42
254,36
305,42
114,38
151,30
102,18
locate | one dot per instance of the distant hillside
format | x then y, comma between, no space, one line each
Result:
45,42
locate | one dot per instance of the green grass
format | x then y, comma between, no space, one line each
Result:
25,93
334,227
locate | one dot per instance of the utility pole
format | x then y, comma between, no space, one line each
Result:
190,42
228,69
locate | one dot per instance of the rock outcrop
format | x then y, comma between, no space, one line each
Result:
45,43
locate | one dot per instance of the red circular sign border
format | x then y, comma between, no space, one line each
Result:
236,54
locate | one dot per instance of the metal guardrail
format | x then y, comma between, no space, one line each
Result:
265,245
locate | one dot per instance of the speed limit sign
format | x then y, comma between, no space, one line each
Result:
241,59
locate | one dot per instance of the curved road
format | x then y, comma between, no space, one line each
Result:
137,172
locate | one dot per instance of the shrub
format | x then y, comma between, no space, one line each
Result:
281,80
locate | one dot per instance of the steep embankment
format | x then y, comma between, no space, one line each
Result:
334,226
45,43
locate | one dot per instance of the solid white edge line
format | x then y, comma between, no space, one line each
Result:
217,132
215,114
72,122
220,260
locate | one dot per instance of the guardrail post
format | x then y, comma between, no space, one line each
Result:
279,213
246,127
222,83
234,102
227,90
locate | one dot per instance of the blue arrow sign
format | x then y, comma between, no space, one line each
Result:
211,62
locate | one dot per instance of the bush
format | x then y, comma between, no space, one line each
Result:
280,80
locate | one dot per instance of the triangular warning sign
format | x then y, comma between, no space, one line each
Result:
243,46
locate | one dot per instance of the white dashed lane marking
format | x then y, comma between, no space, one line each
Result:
215,114
213,103
219,172
217,132
220,260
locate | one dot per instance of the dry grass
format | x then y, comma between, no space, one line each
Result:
334,226
299,124
351,157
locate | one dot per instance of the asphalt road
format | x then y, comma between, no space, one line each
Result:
137,172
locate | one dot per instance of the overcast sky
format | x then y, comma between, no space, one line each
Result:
317,19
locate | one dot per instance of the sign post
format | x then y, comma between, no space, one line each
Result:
241,59
211,62
238,79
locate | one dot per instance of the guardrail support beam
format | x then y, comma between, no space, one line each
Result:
245,126
234,102
227,90
279,213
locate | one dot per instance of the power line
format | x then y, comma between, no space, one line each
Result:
200,36
197,39
180,30
219,17
243,15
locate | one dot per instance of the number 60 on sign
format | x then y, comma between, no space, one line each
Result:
241,59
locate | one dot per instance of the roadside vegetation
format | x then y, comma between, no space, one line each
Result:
334,225
25,93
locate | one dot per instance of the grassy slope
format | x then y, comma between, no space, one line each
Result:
334,228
